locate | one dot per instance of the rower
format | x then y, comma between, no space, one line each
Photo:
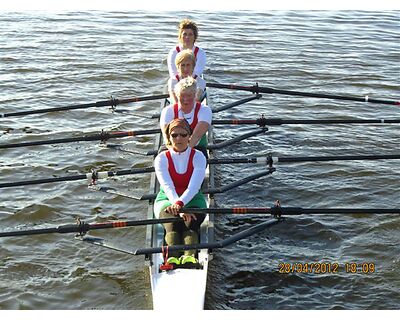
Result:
187,36
185,62
180,171
198,115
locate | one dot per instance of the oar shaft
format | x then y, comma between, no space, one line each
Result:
291,210
250,210
83,227
131,223
336,158
103,136
328,96
267,160
66,228
338,121
88,176
257,89
234,160
104,103
270,160
351,211
46,142
145,98
42,181
229,142
28,232
236,103
278,121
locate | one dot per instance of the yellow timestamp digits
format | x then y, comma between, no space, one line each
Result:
364,267
326,267
309,267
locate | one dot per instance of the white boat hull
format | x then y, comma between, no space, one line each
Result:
179,289
183,288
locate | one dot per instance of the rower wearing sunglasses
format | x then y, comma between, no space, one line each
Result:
180,171
198,115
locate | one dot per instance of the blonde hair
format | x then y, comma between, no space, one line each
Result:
183,55
188,24
186,84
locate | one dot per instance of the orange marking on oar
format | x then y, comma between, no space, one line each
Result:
239,210
119,224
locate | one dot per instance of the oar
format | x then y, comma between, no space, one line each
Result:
257,89
225,143
224,107
336,158
207,245
262,122
270,160
104,103
103,136
264,160
82,227
277,211
236,103
93,176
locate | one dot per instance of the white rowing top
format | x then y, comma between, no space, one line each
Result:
200,62
181,160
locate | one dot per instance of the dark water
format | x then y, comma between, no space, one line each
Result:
49,59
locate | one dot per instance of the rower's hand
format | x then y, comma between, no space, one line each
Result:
173,209
188,216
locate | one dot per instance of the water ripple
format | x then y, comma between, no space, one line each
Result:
57,59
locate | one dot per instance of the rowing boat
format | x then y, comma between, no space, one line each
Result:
187,284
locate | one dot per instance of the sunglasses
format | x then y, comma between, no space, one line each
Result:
175,135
